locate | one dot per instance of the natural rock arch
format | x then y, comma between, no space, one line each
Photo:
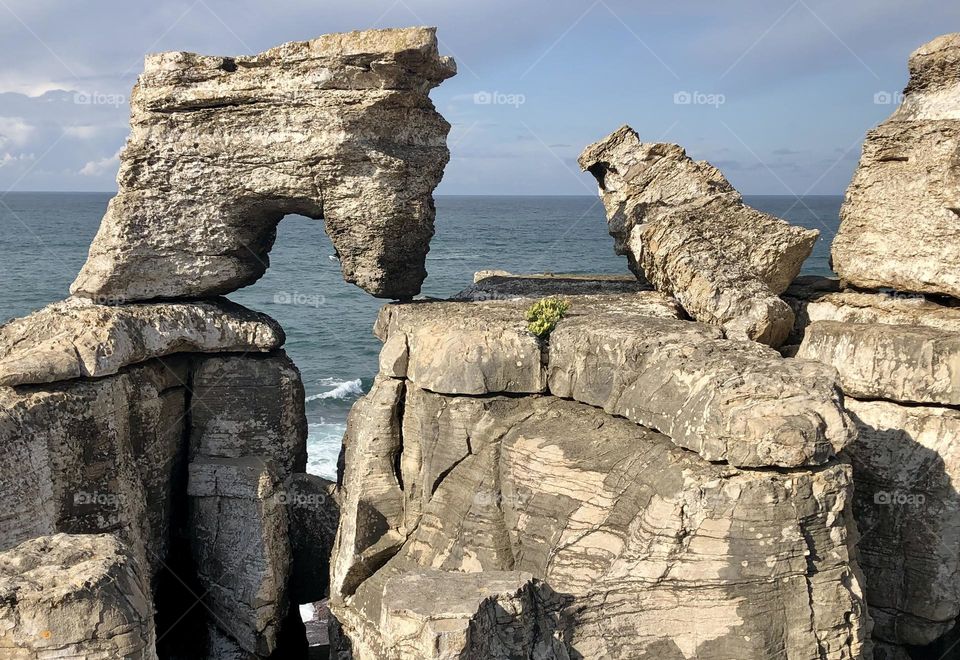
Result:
340,128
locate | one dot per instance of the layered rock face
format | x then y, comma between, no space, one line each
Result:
339,128
901,221
640,545
685,228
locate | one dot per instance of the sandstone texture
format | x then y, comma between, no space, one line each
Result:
906,464
685,228
910,364
653,551
901,220
79,339
74,596
494,615
241,547
340,128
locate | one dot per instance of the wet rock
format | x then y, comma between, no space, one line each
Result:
685,228
240,547
77,338
909,364
906,466
340,128
79,596
900,224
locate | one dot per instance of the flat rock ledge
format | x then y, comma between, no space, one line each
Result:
630,354
77,338
78,596
340,128
686,229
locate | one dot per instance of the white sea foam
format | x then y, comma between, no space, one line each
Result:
323,449
343,390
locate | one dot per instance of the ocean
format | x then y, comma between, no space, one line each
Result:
45,237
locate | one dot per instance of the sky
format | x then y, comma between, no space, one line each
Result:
777,93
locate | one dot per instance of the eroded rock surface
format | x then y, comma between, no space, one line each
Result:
77,596
340,128
685,228
658,553
910,364
900,224
906,464
79,339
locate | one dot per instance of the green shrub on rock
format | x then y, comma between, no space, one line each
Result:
544,315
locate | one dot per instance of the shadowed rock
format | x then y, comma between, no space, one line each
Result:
221,148
900,224
685,228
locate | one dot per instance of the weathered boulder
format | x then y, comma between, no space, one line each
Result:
906,363
240,547
340,128
900,224
74,596
95,456
78,339
733,401
657,552
313,514
906,465
249,405
494,615
685,228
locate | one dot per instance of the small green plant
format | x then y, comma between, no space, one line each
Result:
544,315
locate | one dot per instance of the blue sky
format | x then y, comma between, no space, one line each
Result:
777,93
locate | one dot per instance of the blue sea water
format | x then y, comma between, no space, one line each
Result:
44,239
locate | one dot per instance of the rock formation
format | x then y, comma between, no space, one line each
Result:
339,128
685,228
901,221
632,536
155,452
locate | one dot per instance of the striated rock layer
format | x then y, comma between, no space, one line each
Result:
900,224
221,148
685,228
642,546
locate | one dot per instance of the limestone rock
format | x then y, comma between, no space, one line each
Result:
900,224
495,615
95,457
657,552
249,405
314,514
910,364
501,285
733,401
906,464
683,226
340,128
240,547
480,348
77,596
77,338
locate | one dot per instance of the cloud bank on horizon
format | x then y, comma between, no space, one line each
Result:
777,94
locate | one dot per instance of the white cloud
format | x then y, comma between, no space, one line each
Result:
9,159
101,167
14,131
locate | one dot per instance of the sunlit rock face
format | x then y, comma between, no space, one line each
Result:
221,148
